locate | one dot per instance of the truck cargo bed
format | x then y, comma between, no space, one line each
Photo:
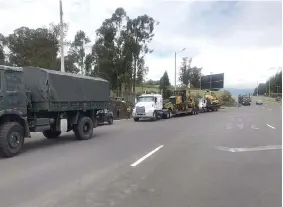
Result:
56,91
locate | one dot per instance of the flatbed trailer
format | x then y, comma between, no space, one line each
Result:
189,111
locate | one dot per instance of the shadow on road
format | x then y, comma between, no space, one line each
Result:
43,143
34,144
173,117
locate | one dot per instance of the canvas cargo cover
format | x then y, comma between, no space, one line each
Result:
49,85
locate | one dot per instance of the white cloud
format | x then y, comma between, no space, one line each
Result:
241,39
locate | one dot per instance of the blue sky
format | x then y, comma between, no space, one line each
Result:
240,38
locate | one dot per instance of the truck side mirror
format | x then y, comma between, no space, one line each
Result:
155,100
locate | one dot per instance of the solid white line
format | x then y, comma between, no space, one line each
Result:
146,156
270,126
251,149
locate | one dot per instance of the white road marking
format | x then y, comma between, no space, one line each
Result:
251,149
146,156
228,126
241,125
254,127
239,119
271,126
262,107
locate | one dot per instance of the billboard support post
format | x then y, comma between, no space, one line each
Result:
212,81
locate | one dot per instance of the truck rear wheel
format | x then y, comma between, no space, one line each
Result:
84,128
51,134
110,121
11,139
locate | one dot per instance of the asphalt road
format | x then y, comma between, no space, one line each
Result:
230,158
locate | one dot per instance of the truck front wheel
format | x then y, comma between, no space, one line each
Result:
11,139
155,116
51,134
84,128
169,114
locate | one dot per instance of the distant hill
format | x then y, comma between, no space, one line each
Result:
236,92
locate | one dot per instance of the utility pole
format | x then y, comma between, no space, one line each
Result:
210,80
257,89
61,38
269,88
200,83
277,87
175,72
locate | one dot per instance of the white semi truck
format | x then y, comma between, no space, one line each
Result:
150,106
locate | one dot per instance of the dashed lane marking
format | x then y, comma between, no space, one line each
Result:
146,156
272,127
254,127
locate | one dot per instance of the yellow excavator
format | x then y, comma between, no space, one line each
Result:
182,102
209,102
210,96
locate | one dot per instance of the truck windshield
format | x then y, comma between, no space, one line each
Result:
145,99
12,80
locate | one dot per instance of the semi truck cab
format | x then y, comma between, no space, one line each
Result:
148,106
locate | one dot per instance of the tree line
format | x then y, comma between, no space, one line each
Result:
118,53
275,83
188,76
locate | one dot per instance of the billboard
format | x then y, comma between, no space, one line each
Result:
212,81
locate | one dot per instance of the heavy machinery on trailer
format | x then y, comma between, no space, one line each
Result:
150,106
209,102
35,100
182,102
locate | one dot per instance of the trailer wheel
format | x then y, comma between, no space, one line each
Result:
84,128
11,139
51,134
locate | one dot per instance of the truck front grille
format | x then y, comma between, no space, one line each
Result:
140,110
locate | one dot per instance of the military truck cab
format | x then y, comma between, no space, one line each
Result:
36,100
13,110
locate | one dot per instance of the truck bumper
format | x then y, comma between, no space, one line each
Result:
145,115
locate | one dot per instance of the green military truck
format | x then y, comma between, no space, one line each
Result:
35,100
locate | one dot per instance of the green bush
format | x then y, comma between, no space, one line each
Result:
226,99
